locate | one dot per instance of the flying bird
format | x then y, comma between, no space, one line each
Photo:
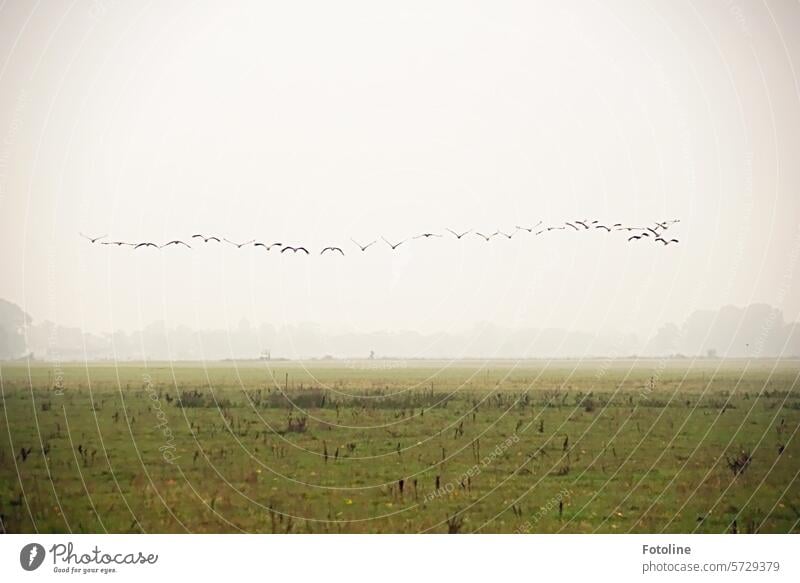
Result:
529,229
499,232
265,246
484,237
364,247
146,245
239,245
666,224
458,235
393,246
638,236
573,226
427,235
665,241
603,227
93,239
294,249
117,243
176,242
332,249
556,228
206,239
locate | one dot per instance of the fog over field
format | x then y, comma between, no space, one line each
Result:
758,331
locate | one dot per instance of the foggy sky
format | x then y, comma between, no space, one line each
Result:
314,122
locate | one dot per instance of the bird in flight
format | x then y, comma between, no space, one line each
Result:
176,242
93,239
427,235
603,227
206,239
666,224
665,241
458,235
364,247
395,245
573,226
484,237
239,245
117,243
556,228
529,229
499,232
332,250
631,238
146,245
265,246
294,249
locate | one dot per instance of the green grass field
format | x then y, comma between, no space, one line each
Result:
401,447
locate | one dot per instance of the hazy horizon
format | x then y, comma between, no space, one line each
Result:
754,331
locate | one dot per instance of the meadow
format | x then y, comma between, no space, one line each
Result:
611,446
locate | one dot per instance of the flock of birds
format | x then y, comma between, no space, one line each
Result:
657,232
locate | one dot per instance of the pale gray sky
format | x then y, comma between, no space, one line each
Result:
312,122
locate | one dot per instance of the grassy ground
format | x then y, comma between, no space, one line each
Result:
379,446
